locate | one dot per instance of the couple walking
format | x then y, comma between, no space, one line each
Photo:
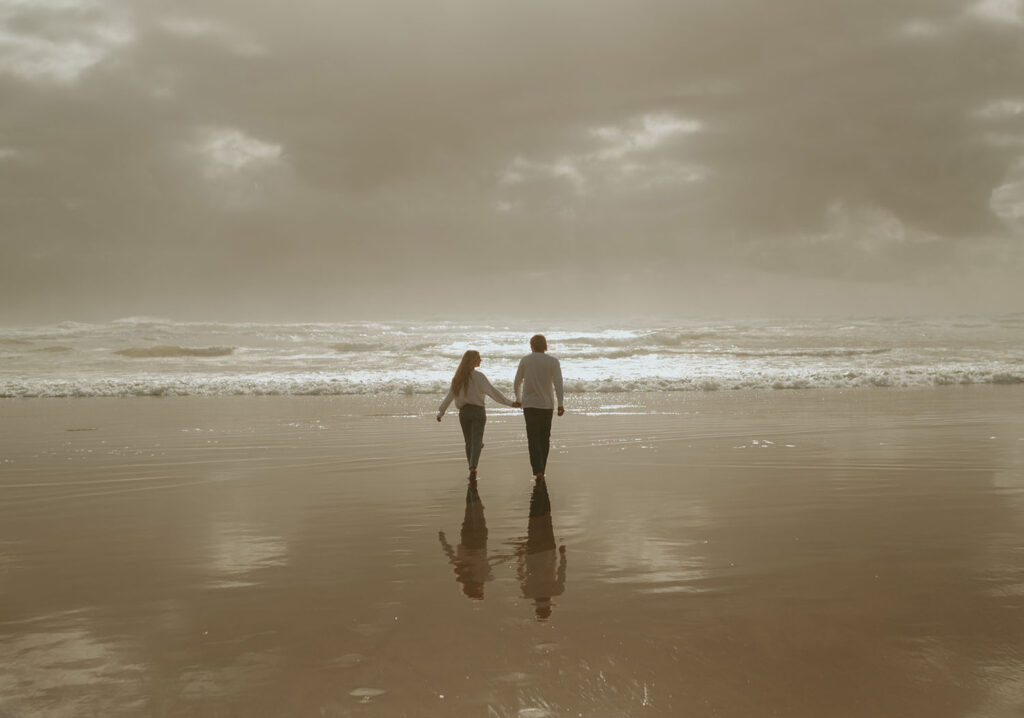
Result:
538,380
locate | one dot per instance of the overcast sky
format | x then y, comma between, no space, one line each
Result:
343,159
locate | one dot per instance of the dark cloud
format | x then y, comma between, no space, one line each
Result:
235,157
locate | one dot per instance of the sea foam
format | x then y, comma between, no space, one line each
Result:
297,385
146,356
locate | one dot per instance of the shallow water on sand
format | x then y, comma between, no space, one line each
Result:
743,554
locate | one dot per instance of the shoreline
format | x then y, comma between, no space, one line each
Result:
744,390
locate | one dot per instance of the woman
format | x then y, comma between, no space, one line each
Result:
468,389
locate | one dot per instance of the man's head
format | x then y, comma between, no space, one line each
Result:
538,343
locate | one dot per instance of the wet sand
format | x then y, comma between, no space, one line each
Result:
726,554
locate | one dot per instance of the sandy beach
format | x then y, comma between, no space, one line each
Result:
790,553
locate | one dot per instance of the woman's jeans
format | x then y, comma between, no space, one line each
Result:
473,418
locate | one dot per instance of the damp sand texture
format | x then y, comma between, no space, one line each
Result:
841,553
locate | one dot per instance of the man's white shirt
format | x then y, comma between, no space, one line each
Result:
538,380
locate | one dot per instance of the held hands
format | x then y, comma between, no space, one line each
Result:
519,405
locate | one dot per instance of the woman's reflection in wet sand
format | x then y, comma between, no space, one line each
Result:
472,566
541,570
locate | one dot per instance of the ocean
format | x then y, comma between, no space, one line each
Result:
155,357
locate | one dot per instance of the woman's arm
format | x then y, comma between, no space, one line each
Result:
492,392
444,404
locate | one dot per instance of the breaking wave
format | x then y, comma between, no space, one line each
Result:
172,351
839,352
326,385
354,347
665,339
147,356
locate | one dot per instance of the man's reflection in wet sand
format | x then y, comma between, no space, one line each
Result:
541,570
472,566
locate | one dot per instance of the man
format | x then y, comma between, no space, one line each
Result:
538,380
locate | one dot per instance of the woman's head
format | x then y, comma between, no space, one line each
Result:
470,361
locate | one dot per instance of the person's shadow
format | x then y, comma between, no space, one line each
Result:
540,569
472,565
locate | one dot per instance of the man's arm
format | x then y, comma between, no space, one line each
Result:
517,383
559,391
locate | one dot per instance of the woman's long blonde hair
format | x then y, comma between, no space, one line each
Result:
461,379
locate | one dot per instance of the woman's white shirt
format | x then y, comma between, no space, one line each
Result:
473,393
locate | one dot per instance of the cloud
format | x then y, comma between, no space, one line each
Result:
920,29
1001,109
241,172
612,159
1007,200
522,171
73,38
878,138
231,151
193,28
641,134
999,11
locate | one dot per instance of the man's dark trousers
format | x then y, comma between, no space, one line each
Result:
538,436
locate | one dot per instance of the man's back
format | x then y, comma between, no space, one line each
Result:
538,379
